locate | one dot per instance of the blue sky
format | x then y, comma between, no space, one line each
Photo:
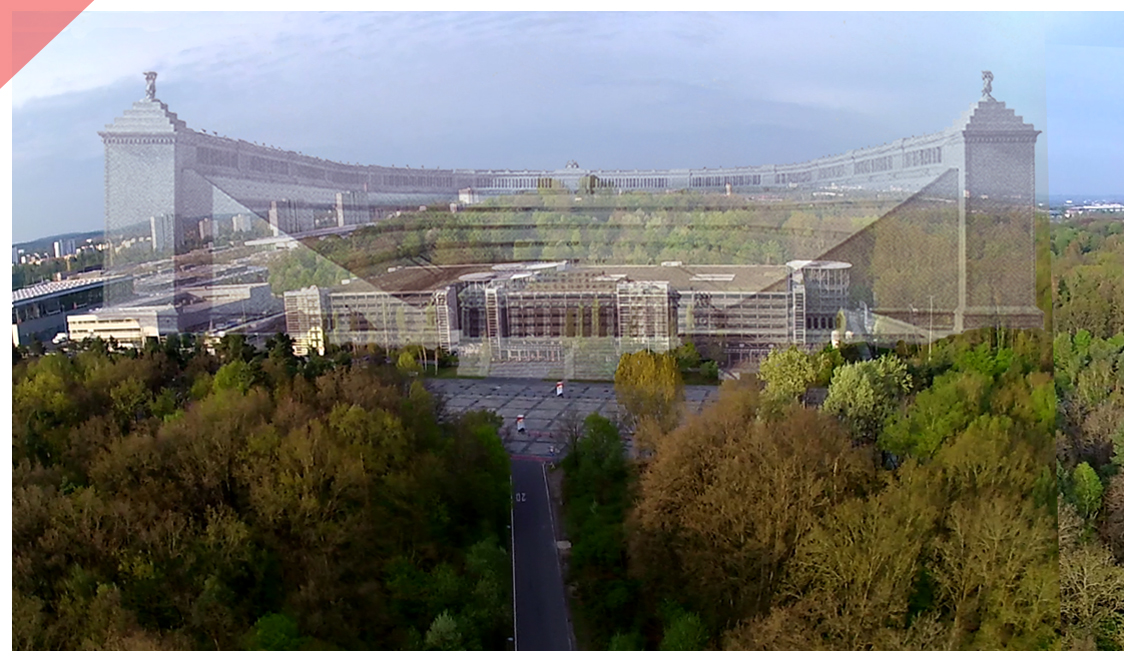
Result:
609,90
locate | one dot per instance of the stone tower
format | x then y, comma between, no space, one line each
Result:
997,242
142,184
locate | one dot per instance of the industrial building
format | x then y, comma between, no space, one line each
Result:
40,311
211,307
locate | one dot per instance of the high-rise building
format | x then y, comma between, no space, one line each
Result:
162,234
241,223
64,248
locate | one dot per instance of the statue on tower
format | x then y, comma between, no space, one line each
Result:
151,84
987,92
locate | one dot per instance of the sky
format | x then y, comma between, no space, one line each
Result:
535,90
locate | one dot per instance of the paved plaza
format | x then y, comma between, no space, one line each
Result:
544,413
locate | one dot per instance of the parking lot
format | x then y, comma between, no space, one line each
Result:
544,413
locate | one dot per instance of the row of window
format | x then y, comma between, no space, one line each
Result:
875,165
271,166
831,172
214,157
921,157
793,178
820,322
721,180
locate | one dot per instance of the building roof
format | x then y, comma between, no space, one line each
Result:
412,278
57,288
703,278
126,312
818,264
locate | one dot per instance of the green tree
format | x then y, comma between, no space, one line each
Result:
626,642
1086,490
444,634
937,414
684,633
788,373
864,394
407,363
234,376
274,632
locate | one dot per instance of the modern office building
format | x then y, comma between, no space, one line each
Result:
539,312
127,325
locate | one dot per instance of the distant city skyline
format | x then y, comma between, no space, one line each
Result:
492,90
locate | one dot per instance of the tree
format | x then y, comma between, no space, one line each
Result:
1090,586
407,363
1086,490
236,375
233,517
129,400
788,373
649,386
444,634
728,497
937,414
626,642
274,632
684,633
865,393
1112,518
596,491
952,553
687,356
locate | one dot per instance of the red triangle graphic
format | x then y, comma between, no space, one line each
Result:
30,25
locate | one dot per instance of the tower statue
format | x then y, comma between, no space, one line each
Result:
151,84
987,91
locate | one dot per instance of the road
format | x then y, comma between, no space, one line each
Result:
544,412
541,606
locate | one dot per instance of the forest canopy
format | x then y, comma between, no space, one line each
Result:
175,499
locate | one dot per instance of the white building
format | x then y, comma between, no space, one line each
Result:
161,233
64,248
126,325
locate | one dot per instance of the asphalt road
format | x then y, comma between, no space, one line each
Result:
544,412
541,607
